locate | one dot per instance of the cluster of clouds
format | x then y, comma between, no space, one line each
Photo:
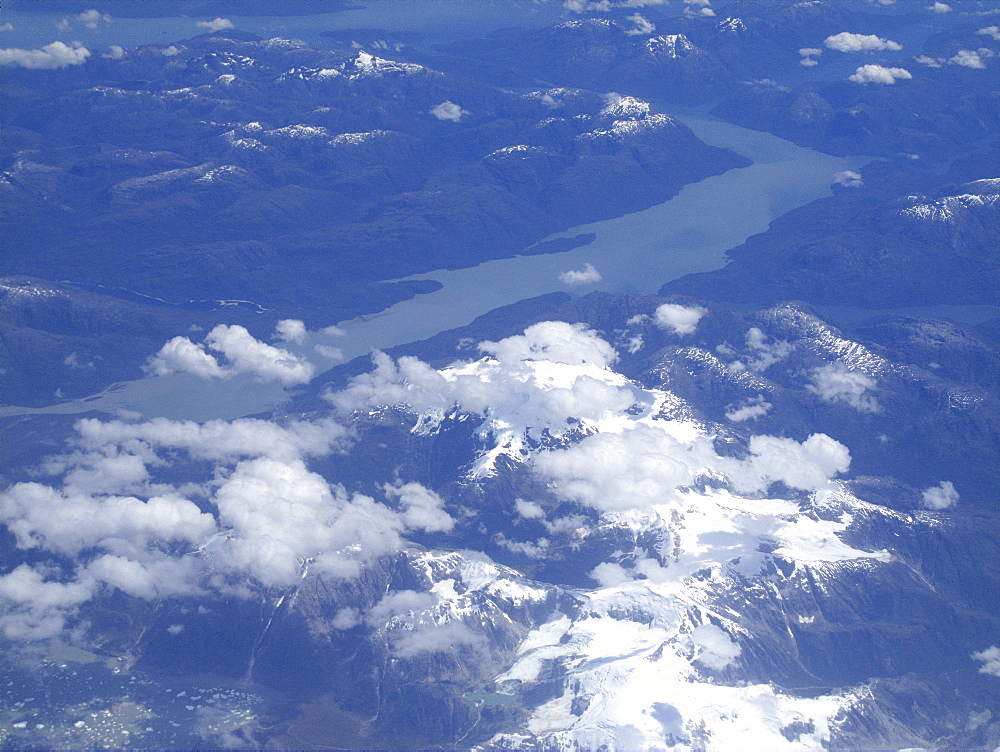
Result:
701,8
760,353
254,516
749,409
242,353
90,18
809,55
850,42
415,623
539,382
60,54
674,318
604,6
642,26
252,513
555,378
964,58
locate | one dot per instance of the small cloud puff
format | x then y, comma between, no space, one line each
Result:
845,41
216,24
848,179
750,409
448,111
763,354
941,496
530,510
422,508
698,8
7,26
678,319
92,18
990,658
717,650
878,74
346,618
939,7
584,276
991,31
114,52
809,55
291,330
836,382
171,51
643,27
51,56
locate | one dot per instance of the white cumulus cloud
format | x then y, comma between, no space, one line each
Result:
243,354
836,382
556,341
848,179
584,276
845,41
941,496
291,330
51,56
809,55
641,27
969,58
750,409
991,31
256,517
216,24
92,18
678,319
878,74
448,110
422,508
990,658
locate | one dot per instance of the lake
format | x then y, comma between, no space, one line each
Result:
636,253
